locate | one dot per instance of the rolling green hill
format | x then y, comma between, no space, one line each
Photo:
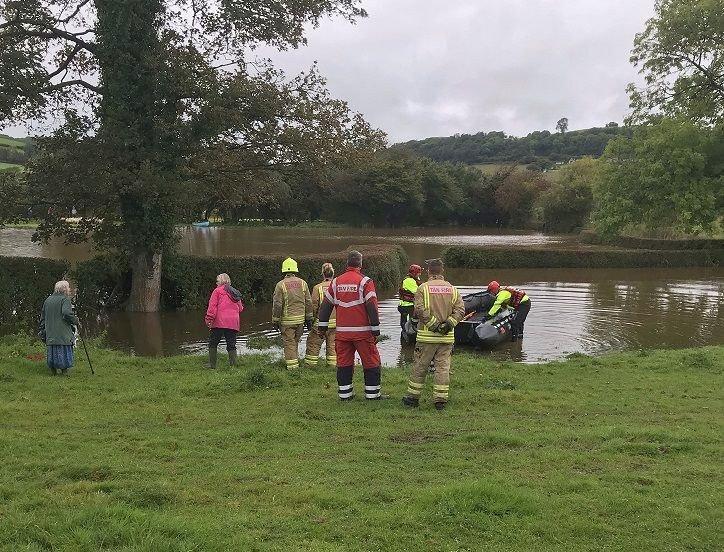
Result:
539,149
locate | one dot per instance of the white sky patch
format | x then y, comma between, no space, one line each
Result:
418,68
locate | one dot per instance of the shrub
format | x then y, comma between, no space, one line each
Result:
187,281
25,283
471,257
649,243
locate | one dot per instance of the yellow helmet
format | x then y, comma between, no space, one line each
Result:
289,265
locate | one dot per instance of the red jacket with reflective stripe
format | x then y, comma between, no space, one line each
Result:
353,296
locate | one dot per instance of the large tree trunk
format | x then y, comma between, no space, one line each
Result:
146,282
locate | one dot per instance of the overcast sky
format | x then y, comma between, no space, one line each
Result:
419,68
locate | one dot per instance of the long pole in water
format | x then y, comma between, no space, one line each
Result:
80,333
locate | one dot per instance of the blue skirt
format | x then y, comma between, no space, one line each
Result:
60,357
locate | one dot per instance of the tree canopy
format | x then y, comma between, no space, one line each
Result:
161,108
681,56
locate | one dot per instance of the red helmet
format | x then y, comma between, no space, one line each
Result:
493,287
415,270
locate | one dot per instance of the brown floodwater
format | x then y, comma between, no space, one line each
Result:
573,310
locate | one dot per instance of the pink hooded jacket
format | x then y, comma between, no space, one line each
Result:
224,308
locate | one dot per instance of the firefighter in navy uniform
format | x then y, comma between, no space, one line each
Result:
291,311
514,298
352,295
407,294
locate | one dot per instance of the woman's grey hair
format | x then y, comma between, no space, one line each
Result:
223,278
63,286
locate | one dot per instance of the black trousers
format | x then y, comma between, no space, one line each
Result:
516,325
229,336
404,311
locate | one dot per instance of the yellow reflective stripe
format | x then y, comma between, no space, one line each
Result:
441,387
426,336
414,392
285,293
292,320
415,384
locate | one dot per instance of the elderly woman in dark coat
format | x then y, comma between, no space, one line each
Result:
57,323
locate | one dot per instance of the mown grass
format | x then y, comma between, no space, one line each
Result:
622,452
4,166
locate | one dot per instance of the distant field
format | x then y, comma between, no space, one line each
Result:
12,142
9,166
490,169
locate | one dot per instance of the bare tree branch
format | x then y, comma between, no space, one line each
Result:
74,82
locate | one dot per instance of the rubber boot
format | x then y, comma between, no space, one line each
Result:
413,402
212,358
440,406
232,358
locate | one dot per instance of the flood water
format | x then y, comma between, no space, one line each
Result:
573,310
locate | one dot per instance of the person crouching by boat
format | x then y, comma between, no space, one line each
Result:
222,318
514,298
57,328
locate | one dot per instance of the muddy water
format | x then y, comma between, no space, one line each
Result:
573,310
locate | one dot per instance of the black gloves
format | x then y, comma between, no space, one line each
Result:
276,326
308,324
444,328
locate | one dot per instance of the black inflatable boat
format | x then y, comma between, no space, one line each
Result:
472,330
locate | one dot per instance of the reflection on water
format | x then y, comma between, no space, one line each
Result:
573,310
239,240
588,311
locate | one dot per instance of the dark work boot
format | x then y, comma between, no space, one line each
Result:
232,358
514,337
440,405
212,358
413,402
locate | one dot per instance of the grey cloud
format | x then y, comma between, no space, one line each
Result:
420,68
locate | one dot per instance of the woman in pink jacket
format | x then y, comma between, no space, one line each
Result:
222,318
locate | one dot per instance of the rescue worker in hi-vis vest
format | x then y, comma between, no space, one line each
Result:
438,309
353,296
315,337
514,298
407,293
291,311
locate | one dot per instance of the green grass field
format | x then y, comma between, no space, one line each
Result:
622,452
9,166
12,142
489,169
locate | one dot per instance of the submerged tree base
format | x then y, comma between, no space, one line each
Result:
620,452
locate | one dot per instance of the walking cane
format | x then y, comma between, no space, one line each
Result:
80,334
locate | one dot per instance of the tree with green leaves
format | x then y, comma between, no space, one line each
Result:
566,205
668,176
562,125
159,108
681,56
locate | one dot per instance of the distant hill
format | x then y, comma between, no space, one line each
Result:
14,151
539,150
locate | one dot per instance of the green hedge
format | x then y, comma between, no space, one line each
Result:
472,257
187,281
589,237
25,282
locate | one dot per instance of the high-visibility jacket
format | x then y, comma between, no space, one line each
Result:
407,291
437,301
292,304
318,298
353,296
508,296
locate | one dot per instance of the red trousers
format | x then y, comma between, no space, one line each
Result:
365,347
